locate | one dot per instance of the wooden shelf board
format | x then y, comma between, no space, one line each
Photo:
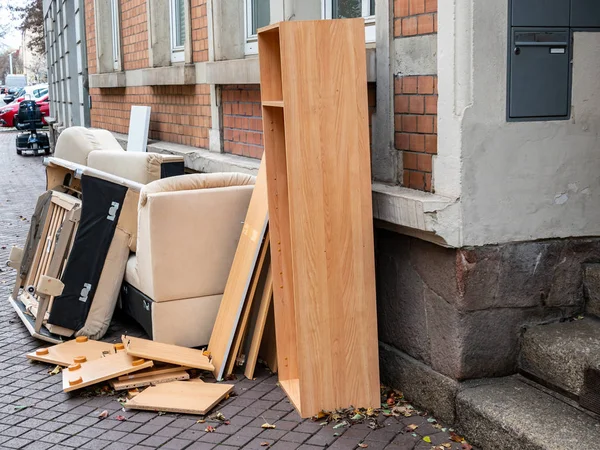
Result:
273,103
292,390
172,354
272,27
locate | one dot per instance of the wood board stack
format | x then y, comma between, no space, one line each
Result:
161,369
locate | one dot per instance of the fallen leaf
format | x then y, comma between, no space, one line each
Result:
340,425
412,427
268,426
357,416
55,371
363,445
219,416
209,429
370,412
20,407
103,415
200,421
466,446
427,439
455,437
431,420
391,401
447,445
161,413
121,418
264,444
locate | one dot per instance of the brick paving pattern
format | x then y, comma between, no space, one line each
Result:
36,414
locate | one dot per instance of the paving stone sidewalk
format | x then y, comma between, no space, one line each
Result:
36,414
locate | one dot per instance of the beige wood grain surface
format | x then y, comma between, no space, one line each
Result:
172,354
259,325
180,397
103,369
240,275
65,353
156,370
150,380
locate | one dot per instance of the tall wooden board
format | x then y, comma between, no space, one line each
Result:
321,221
180,397
240,275
259,326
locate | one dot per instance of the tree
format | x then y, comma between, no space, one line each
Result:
31,17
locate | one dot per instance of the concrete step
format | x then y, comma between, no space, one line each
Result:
591,284
511,413
560,353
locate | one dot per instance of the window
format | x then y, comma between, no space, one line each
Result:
177,13
346,9
258,15
116,38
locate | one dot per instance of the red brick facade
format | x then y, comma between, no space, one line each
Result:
415,99
134,34
242,119
199,31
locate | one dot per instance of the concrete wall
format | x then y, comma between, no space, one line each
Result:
516,181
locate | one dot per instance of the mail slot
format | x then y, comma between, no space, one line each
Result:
538,79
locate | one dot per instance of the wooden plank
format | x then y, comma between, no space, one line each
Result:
259,326
150,380
180,397
325,319
156,370
102,369
240,275
268,346
172,354
65,353
273,103
240,334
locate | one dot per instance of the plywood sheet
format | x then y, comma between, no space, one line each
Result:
103,369
259,326
65,353
240,275
181,397
268,346
150,380
172,354
156,370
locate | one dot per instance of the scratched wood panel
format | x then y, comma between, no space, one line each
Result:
64,354
238,282
330,221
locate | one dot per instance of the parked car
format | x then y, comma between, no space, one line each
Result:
11,94
32,92
8,113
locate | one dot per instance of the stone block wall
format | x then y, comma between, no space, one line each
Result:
462,311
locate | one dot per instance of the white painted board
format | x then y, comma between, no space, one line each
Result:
139,123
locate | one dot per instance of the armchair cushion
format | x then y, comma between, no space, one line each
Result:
76,143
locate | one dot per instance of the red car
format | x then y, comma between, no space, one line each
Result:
8,113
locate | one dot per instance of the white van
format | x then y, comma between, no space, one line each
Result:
15,81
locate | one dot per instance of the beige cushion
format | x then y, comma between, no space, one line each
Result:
131,275
75,143
187,322
187,238
136,166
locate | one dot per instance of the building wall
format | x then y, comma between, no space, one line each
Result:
134,34
199,28
415,92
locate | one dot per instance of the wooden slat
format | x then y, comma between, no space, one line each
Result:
64,354
240,275
268,346
152,371
240,334
102,369
259,326
172,354
150,380
180,397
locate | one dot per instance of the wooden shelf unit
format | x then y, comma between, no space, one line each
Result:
316,138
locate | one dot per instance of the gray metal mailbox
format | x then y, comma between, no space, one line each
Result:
585,13
540,13
539,70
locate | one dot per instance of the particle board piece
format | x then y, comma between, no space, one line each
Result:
64,354
240,275
259,326
242,328
152,371
103,369
180,397
150,380
172,354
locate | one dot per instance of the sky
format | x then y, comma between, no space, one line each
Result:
12,39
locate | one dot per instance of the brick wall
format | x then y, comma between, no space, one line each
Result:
415,99
180,114
90,35
242,119
134,34
199,31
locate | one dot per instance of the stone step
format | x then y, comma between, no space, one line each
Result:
559,353
511,413
591,284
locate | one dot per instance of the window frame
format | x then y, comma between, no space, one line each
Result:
177,52
116,34
367,14
251,40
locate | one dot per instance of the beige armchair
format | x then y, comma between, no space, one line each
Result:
188,230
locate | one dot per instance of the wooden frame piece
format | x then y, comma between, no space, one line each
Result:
78,376
64,354
240,276
156,370
172,354
259,325
180,397
316,138
150,380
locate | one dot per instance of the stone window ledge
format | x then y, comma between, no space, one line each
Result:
178,74
431,217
